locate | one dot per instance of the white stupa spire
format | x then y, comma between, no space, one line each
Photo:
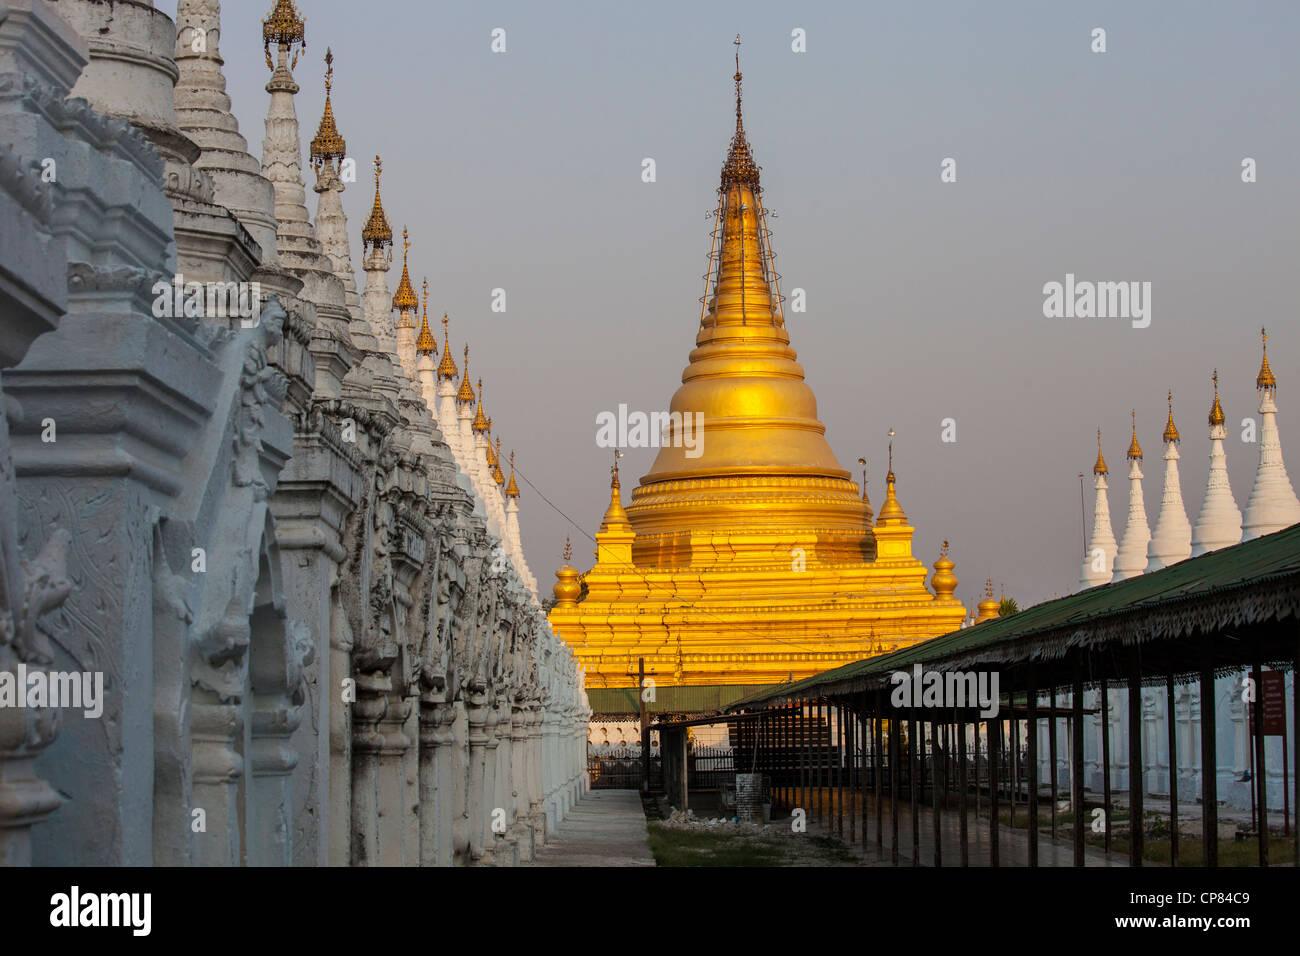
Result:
1132,558
1219,523
1272,505
1171,542
1099,561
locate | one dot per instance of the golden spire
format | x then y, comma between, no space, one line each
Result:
466,394
866,502
490,454
989,607
944,581
1171,430
567,588
404,299
512,489
1134,449
328,144
480,420
891,512
1100,467
1216,411
615,517
425,344
284,28
497,476
447,367
378,234
1265,379
740,166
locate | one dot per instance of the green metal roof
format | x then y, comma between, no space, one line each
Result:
681,699
1241,584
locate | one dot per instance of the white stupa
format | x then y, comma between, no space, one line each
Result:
1272,505
1132,557
1099,560
1171,542
1219,523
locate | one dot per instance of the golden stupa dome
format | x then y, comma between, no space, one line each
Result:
377,234
1171,430
1100,467
465,395
568,587
425,344
1216,410
404,299
480,423
944,582
327,144
1134,449
1265,379
990,606
745,450
447,367
512,489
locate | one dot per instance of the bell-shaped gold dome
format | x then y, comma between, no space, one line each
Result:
744,450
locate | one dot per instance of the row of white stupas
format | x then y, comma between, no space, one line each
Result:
1271,507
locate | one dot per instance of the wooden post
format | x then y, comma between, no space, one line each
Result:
1171,709
1209,767
934,799
961,792
1261,775
1031,695
644,712
913,743
1105,757
994,745
1051,754
877,767
894,748
1076,748
1135,782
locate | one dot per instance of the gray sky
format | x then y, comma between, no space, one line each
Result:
523,171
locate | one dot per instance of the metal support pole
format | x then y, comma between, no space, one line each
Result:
934,799
877,766
894,748
1051,754
913,743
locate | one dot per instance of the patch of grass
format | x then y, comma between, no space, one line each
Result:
672,847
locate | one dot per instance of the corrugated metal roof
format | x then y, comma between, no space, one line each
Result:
1224,586
681,699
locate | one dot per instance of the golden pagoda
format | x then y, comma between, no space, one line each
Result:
748,556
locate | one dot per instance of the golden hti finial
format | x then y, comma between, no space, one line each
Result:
327,145
944,549
480,420
1171,430
1216,410
1265,380
890,475
512,489
490,455
1100,467
378,234
865,500
1134,449
404,299
425,343
284,28
613,481
497,475
739,167
447,367
466,394
568,549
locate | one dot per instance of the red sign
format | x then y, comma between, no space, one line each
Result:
1272,694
